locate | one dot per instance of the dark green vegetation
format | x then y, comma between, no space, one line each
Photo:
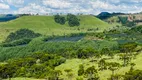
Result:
16,43
38,65
72,20
126,22
21,34
59,19
133,75
8,17
106,15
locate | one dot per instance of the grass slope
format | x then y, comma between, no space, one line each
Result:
46,25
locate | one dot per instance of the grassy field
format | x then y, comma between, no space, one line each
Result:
47,26
74,65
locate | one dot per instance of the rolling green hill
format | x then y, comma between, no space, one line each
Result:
47,26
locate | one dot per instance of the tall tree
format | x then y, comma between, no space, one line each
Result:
81,70
92,73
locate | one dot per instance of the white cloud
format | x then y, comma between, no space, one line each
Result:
16,3
33,8
57,3
71,6
4,6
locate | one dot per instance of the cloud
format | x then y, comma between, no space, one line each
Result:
56,3
16,3
32,8
4,6
71,6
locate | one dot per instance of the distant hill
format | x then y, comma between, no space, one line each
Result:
106,15
8,17
47,26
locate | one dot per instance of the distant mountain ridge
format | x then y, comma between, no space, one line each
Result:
8,17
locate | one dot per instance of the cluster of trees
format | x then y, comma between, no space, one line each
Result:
60,19
90,73
66,49
21,34
39,65
136,29
132,74
126,22
72,20
127,50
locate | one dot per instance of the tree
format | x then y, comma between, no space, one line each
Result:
116,77
62,20
69,74
106,51
98,56
59,19
72,20
81,70
126,59
133,75
102,65
127,48
92,73
113,66
85,53
55,74
132,66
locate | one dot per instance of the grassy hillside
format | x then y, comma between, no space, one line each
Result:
47,26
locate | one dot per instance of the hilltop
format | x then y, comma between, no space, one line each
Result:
47,26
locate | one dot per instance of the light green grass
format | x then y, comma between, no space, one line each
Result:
74,65
47,26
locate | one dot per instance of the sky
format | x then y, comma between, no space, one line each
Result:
69,6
